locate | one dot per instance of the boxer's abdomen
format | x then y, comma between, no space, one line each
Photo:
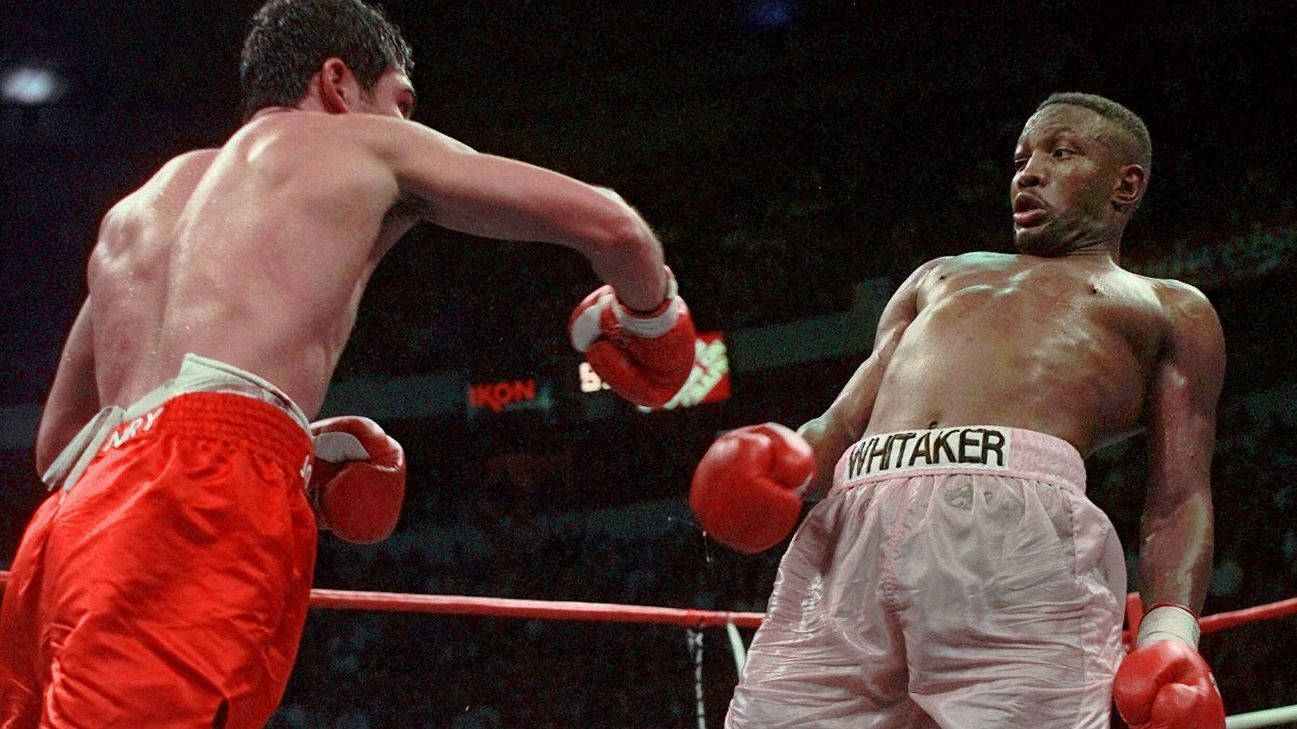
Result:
987,354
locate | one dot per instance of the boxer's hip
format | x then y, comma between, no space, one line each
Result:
186,503
953,569
207,399
973,510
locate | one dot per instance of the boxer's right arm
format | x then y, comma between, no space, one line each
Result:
748,489
497,197
74,398
845,420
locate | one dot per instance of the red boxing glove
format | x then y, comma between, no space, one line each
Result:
357,479
1165,683
747,490
644,357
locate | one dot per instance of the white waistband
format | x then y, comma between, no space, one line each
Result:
197,374
962,449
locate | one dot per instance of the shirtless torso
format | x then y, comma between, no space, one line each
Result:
241,255
257,253
1057,339
1063,346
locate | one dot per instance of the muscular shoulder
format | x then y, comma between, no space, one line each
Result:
910,287
193,161
1196,341
909,296
169,186
976,258
1181,301
934,264
971,261
335,150
303,131
941,268
182,170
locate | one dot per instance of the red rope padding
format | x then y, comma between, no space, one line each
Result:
1134,615
604,612
1271,611
511,608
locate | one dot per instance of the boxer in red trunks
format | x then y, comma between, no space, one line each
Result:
955,575
165,583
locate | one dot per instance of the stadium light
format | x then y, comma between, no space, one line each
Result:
30,86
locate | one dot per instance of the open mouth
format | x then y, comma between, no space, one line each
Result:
1028,211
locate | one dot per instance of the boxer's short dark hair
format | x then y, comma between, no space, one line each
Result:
290,39
1139,144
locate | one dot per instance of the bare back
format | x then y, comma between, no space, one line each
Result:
1064,346
255,254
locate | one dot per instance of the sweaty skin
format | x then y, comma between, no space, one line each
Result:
1063,346
1058,339
257,253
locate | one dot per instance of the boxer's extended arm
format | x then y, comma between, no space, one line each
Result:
496,197
74,398
1176,526
1164,683
845,420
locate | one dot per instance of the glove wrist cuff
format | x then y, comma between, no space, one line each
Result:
1169,621
655,323
336,446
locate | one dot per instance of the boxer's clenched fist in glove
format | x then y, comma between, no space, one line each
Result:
357,479
643,356
747,490
1164,683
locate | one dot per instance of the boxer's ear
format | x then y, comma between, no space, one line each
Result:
338,86
1129,188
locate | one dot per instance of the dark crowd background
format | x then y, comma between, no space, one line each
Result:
785,151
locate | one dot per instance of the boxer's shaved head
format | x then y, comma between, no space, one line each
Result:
290,39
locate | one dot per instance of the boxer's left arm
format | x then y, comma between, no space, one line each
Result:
636,332
74,397
1176,525
1164,682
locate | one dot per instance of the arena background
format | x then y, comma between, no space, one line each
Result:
798,160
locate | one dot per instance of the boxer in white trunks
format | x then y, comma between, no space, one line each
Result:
956,575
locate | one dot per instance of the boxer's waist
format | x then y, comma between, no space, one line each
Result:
206,398
203,374
973,449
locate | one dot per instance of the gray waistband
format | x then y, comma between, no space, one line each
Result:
197,374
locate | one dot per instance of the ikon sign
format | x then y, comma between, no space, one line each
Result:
499,395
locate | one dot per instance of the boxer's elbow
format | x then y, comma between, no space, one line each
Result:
621,232
45,450
607,224
820,435
813,431
52,436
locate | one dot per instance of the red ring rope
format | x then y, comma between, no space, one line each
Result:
511,608
688,617
1269,611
